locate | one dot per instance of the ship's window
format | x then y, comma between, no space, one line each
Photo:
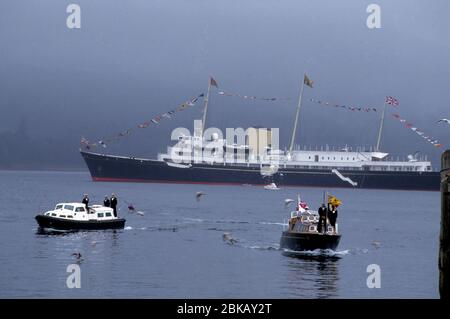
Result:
62,216
69,216
322,157
334,158
347,158
342,158
108,214
68,207
100,215
353,158
47,214
53,214
79,209
59,206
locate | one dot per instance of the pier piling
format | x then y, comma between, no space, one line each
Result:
444,237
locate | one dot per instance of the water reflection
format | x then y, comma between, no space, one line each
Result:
312,276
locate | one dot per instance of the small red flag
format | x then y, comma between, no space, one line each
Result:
213,82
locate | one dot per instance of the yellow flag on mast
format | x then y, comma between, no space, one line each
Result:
308,81
334,201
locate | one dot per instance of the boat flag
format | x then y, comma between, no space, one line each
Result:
252,97
345,107
391,100
155,120
213,82
302,206
334,201
308,81
416,130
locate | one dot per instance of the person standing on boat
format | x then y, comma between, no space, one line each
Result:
114,204
106,202
332,217
85,201
322,218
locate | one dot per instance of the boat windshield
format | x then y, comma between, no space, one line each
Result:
58,207
68,207
79,209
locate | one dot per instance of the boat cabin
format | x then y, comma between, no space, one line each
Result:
306,222
77,211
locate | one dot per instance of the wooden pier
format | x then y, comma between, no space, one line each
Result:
444,237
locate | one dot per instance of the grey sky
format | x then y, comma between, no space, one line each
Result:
133,59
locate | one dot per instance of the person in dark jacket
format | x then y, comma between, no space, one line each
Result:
114,204
106,202
332,217
322,219
85,201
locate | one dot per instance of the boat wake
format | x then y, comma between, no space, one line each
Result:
272,223
317,253
270,247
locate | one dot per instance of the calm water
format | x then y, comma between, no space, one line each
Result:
176,249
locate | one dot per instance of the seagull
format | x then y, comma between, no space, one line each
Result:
229,239
140,213
77,255
443,121
376,244
198,195
131,208
288,201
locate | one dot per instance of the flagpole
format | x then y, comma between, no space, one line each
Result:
377,148
205,109
291,146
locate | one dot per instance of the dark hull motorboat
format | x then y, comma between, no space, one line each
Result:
303,232
64,224
308,241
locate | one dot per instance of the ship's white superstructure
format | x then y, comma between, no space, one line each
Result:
190,150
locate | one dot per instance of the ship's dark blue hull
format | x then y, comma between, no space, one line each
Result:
113,168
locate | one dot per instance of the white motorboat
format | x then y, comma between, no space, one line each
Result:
75,216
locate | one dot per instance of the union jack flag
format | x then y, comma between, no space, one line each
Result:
391,100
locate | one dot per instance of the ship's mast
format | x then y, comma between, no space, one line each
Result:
205,108
294,130
377,148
